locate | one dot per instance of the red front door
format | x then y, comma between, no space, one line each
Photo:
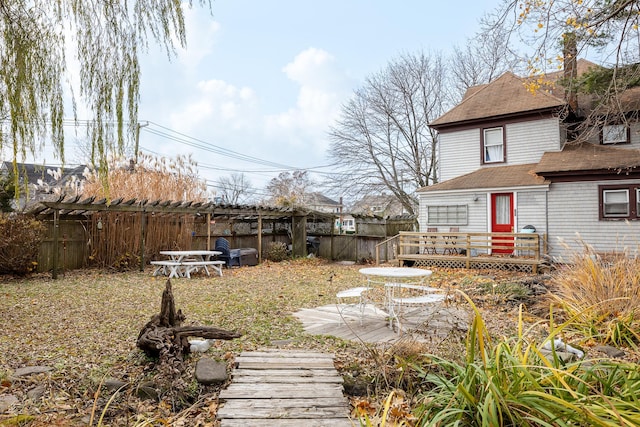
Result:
502,221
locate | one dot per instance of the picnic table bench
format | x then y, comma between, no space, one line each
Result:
183,263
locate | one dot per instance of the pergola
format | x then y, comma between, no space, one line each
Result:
74,206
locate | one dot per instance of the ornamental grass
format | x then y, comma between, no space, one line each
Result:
602,294
511,383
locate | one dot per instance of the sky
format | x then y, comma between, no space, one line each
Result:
261,82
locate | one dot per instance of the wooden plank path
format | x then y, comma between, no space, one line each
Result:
284,388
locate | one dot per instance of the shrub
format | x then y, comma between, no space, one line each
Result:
22,236
277,251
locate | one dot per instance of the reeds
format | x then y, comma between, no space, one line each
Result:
152,178
115,238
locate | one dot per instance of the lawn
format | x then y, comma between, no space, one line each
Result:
85,324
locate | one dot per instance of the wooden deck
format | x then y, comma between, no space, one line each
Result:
284,388
511,251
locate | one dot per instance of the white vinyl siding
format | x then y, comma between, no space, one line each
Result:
528,141
459,153
530,210
476,210
574,221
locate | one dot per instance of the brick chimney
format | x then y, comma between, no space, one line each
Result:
570,54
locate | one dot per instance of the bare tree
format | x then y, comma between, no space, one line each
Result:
382,142
560,30
288,189
484,58
233,187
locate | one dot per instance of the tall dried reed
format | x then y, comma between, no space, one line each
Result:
152,178
116,240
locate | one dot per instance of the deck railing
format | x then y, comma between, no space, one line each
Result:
391,241
469,248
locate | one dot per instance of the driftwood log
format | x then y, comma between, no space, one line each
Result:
165,338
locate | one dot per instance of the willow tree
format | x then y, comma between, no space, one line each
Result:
84,50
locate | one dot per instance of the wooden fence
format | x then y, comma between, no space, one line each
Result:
82,242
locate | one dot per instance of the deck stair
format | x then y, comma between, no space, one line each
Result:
284,388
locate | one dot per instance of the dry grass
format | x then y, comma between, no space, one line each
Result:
85,325
603,296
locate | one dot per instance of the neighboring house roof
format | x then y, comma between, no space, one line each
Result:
585,156
493,177
507,95
35,172
379,204
319,198
321,202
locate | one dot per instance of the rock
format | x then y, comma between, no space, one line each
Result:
610,351
31,370
113,384
36,392
355,386
7,401
209,371
564,356
147,390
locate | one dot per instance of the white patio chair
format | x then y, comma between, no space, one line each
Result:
357,294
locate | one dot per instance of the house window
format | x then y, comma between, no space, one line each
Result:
615,134
493,145
619,202
447,215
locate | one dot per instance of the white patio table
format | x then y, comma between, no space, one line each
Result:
394,280
183,263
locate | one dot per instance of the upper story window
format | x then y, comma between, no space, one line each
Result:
619,202
493,146
615,134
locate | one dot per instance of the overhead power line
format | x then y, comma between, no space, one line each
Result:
206,146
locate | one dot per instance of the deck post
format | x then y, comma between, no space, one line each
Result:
468,251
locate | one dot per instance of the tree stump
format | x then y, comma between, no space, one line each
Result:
164,337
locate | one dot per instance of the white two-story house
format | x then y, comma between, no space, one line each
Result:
509,159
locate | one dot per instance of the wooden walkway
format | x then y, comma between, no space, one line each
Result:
284,388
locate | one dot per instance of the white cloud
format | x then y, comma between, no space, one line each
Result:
322,89
217,105
202,35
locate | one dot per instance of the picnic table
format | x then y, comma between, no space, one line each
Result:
183,263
